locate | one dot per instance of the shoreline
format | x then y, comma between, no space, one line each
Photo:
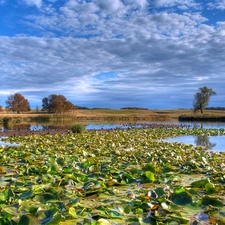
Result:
67,130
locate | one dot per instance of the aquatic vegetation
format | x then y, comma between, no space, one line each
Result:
77,128
128,176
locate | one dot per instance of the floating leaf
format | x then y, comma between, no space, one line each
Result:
200,183
173,222
103,222
210,188
6,195
81,178
72,212
207,200
150,176
28,220
128,178
181,197
149,167
56,219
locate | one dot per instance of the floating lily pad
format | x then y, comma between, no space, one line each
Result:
117,177
207,200
181,197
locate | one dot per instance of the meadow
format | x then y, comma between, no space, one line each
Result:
127,176
109,115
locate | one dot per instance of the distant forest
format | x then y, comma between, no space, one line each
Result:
134,108
215,108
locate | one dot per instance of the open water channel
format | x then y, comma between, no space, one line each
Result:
215,143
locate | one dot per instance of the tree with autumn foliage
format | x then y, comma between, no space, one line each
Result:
17,103
56,104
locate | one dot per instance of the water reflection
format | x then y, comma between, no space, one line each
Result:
110,125
204,141
215,143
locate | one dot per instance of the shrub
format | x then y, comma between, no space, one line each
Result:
77,128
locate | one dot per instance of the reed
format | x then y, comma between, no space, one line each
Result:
77,128
40,119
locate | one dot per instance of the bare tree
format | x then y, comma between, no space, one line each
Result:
17,103
201,98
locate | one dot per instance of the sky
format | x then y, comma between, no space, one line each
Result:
154,54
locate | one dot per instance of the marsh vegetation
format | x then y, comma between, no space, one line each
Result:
125,176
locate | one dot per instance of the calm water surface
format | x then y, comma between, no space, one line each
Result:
216,143
3,143
213,125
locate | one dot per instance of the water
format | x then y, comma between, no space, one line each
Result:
93,125
207,125
3,143
215,143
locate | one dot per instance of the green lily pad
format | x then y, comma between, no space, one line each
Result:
181,197
28,220
210,188
200,183
207,200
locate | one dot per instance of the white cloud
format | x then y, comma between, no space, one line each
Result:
110,6
219,4
182,4
148,64
37,3
152,50
141,3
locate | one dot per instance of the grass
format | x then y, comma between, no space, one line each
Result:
116,115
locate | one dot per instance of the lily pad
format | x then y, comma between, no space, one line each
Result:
207,200
181,197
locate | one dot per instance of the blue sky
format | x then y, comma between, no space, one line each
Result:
113,53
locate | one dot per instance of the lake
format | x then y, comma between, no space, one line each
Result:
112,125
216,143
213,125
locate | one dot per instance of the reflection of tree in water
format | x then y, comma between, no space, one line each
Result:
204,141
18,127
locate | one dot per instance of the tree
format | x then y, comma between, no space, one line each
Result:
17,103
45,104
201,98
56,104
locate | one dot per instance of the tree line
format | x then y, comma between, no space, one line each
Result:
52,104
59,104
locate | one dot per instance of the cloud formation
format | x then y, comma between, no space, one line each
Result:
115,53
219,4
37,3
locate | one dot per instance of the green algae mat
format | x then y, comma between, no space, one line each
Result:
111,177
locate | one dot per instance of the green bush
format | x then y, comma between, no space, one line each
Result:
77,128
